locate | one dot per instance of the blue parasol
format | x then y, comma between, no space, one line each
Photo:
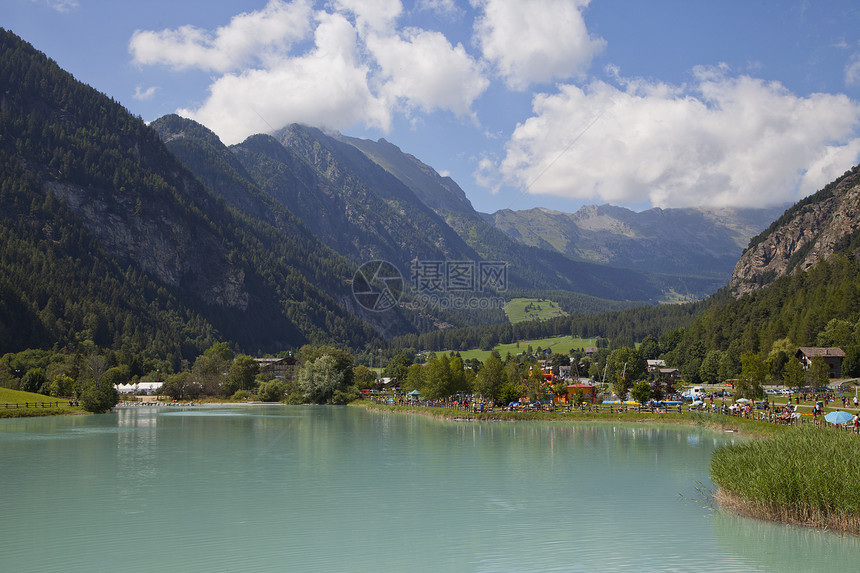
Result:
839,417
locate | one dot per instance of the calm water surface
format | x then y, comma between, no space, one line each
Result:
277,488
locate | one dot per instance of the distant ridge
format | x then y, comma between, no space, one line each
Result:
536,269
684,242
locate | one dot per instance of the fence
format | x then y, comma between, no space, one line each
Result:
31,404
774,415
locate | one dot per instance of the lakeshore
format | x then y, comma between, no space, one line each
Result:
320,487
779,463
747,427
806,476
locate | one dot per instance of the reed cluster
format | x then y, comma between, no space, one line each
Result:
807,475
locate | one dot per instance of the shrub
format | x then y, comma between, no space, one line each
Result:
98,398
272,391
241,395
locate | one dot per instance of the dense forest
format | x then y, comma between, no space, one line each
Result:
107,237
820,307
625,326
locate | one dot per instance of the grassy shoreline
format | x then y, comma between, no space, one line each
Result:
800,515
718,422
19,397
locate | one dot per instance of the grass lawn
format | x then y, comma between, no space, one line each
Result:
8,396
520,309
558,344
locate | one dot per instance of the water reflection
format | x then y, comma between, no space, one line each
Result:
323,488
772,547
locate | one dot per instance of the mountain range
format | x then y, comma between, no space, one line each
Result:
688,242
107,236
159,238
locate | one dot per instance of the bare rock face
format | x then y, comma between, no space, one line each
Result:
812,233
157,240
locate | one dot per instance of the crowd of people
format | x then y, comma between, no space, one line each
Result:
788,413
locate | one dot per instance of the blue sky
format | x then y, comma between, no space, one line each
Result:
552,103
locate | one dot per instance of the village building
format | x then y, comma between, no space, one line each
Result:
655,365
280,368
588,392
669,374
832,357
140,388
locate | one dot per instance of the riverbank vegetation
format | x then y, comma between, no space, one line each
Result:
90,375
804,476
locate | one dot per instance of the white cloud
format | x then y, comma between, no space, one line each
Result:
446,8
326,88
261,36
141,94
535,41
62,5
852,71
360,69
375,15
721,141
425,71
486,174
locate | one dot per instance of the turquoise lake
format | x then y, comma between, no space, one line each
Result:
279,488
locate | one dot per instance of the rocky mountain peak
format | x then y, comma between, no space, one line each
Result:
811,231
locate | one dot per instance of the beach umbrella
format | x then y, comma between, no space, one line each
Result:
414,393
742,400
839,417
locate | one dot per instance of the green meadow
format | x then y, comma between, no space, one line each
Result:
558,344
12,404
520,309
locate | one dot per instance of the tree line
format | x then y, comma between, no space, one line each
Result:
323,375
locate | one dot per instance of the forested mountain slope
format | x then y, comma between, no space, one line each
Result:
106,235
798,284
219,168
353,205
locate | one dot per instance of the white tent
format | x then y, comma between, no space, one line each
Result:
146,387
